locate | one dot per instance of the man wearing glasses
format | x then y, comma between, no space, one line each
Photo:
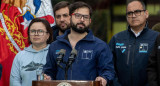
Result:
62,18
131,48
94,58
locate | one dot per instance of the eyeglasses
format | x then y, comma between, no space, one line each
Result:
79,16
136,13
39,32
59,16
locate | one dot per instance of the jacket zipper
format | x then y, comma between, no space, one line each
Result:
132,63
128,54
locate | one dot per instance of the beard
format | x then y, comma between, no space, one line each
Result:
63,29
79,30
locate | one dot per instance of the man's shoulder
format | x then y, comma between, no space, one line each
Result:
100,41
152,31
58,42
54,27
121,34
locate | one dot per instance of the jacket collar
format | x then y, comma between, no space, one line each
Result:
89,36
146,28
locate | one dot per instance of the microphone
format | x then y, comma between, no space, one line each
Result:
61,54
72,57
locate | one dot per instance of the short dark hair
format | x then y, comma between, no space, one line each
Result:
60,5
80,4
46,24
142,3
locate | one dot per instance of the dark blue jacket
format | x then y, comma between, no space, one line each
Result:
131,56
94,59
55,32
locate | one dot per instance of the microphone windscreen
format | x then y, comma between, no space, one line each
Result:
74,51
62,51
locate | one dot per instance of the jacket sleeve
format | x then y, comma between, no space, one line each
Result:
112,43
152,67
105,63
15,78
50,66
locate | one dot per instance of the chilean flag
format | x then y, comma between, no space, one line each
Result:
15,16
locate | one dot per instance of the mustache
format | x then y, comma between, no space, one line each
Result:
81,23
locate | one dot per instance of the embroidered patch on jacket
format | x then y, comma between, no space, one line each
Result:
121,46
87,54
143,48
57,51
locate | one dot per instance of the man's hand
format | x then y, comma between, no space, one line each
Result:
47,77
103,82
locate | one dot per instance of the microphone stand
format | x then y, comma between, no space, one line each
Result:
65,69
69,63
60,66
66,73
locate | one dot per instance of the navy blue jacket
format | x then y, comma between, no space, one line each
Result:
55,32
131,56
94,59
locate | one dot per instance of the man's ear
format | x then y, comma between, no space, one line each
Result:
147,13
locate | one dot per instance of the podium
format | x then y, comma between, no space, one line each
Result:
65,83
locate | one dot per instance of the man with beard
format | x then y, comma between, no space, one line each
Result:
62,18
93,60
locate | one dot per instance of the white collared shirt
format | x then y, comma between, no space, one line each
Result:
137,33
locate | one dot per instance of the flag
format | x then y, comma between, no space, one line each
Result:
15,16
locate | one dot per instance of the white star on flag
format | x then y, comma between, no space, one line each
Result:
25,23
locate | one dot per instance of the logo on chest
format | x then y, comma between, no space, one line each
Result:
143,48
87,54
121,46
